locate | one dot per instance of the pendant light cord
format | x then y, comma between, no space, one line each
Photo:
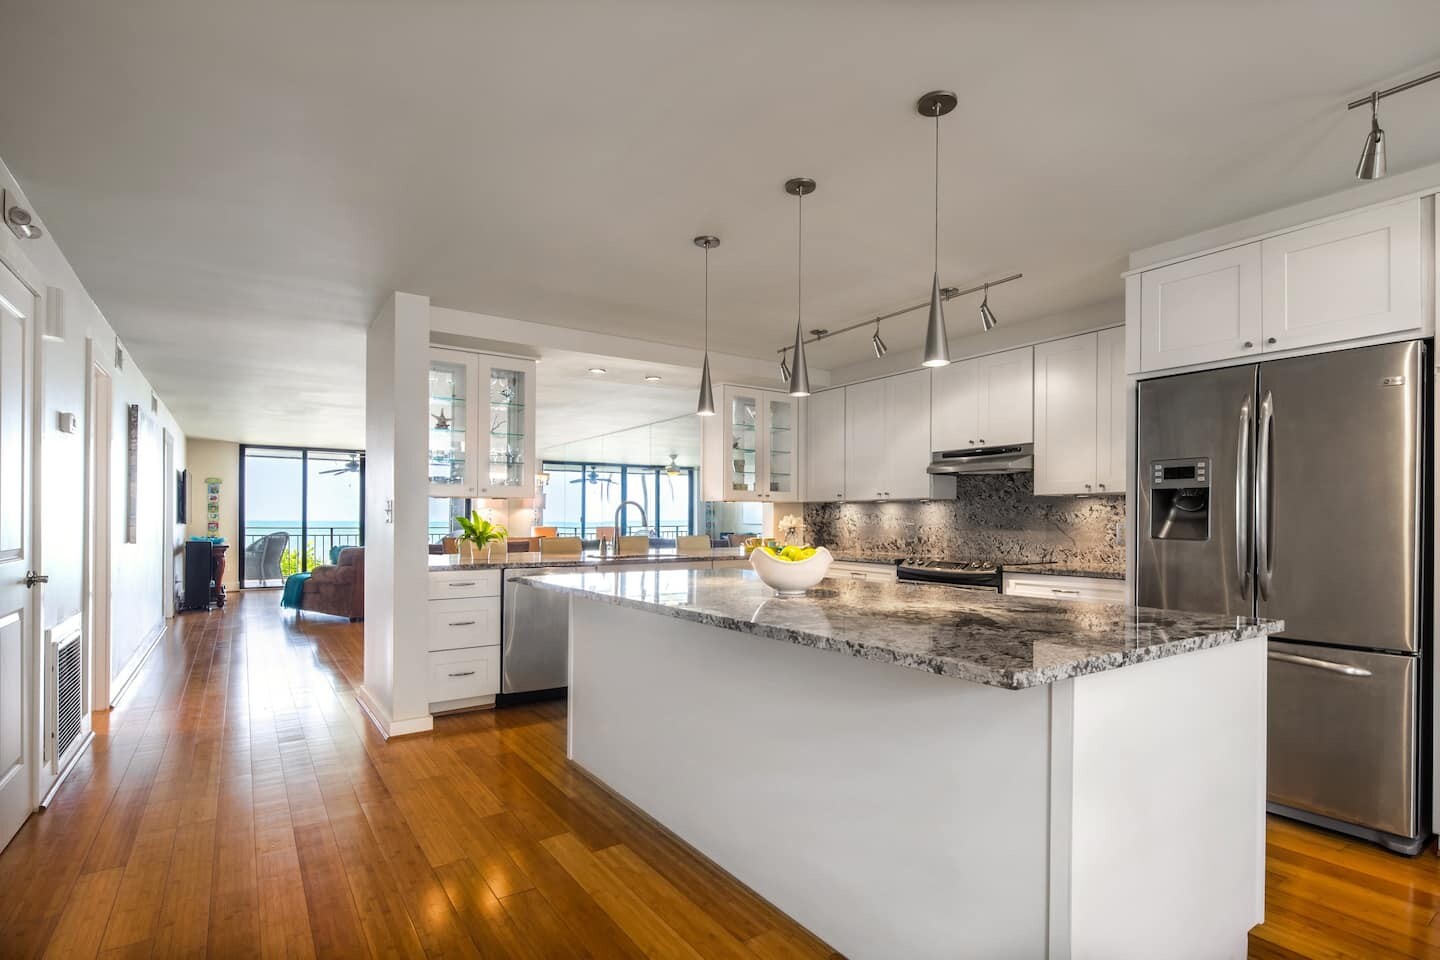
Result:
799,256
707,298
937,188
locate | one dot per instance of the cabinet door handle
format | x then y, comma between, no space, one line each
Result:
463,673
463,623
1087,486
1102,486
1065,591
981,440
1270,340
1249,344
462,583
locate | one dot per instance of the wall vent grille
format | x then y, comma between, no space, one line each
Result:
69,696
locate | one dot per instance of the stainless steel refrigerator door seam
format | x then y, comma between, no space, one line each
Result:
1263,506
1318,664
1242,499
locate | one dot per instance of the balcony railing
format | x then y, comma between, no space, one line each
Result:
319,539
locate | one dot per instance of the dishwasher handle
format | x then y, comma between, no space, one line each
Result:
1318,664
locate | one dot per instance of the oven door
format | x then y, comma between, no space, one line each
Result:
987,582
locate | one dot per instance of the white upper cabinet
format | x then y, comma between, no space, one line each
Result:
1066,416
907,436
752,448
825,446
1359,276
1112,388
887,438
1201,310
865,440
984,402
482,425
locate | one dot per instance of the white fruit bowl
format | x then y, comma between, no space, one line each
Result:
791,578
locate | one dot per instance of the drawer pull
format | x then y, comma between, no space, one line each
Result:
463,673
462,583
1065,591
463,623
1331,666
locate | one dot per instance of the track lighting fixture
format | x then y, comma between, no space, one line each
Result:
799,187
1372,155
987,318
877,343
936,104
706,405
784,367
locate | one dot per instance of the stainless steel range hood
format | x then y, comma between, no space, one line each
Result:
1016,458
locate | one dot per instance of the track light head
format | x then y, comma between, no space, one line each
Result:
877,343
1372,155
987,316
20,221
784,369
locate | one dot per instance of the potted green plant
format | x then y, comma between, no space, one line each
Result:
478,535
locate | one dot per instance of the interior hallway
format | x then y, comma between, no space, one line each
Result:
237,800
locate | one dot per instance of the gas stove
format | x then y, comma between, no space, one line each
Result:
971,574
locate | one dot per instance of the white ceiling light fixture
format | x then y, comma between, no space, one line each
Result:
936,104
652,378
799,188
598,371
706,405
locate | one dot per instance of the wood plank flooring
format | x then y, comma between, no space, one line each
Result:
237,804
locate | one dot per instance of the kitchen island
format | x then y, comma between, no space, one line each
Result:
919,771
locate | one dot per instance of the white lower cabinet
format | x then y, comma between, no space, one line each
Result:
1064,588
463,639
463,674
852,570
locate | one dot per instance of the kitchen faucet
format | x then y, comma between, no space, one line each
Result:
620,511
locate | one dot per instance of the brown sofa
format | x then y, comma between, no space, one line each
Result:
338,589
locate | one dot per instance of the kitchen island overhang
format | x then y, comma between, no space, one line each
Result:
1097,789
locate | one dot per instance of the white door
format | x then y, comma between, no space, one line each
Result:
865,440
1360,276
19,669
1201,310
1112,385
825,446
1065,427
1007,393
906,443
955,406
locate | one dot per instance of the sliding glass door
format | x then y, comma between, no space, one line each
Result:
298,507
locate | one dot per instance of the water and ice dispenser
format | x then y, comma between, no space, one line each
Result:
1180,499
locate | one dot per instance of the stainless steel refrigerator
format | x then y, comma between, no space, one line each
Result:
1297,489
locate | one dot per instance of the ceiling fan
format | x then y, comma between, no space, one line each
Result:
593,477
671,469
352,466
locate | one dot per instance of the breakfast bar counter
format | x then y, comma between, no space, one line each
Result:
920,771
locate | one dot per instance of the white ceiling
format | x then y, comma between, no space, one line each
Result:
238,184
581,415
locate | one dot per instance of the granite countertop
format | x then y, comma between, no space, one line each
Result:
1010,642
590,558
1049,568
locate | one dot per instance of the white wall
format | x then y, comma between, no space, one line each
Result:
397,367
216,458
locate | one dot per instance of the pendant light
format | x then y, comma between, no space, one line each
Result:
706,406
1372,156
798,187
877,343
987,317
936,104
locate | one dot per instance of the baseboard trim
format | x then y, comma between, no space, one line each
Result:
386,727
137,663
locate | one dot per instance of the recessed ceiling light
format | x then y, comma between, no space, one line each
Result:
597,370
652,378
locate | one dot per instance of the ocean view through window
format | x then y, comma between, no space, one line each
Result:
297,506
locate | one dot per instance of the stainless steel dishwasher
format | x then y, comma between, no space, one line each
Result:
534,635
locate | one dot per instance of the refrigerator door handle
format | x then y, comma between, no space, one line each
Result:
1242,499
1263,504
1342,668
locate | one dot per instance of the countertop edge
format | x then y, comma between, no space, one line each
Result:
1005,679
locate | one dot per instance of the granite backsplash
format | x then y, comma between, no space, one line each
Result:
992,517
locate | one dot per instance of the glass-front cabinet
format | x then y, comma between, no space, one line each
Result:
751,446
482,425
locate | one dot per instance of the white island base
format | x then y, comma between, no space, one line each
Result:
896,813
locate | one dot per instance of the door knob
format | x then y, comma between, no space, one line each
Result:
32,578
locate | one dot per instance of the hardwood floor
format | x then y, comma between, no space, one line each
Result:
236,803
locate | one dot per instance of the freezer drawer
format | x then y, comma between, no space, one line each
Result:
1344,733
